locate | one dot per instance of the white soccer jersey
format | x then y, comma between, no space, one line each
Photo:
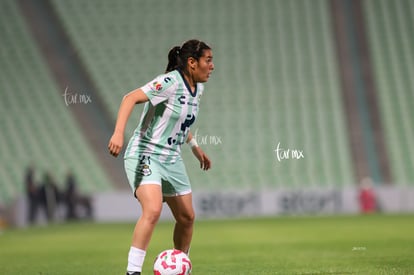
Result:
166,119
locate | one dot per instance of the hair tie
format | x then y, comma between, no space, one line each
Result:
178,51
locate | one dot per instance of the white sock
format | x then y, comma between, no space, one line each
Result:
136,258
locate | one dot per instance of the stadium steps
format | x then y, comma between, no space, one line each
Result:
391,35
69,73
275,81
37,127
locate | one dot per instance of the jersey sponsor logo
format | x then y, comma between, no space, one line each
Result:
157,86
182,100
173,141
187,122
178,139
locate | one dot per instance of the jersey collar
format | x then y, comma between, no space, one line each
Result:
188,85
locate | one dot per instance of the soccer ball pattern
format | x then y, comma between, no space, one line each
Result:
172,262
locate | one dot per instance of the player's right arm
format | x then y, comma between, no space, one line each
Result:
127,105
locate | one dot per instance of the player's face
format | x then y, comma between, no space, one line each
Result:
204,66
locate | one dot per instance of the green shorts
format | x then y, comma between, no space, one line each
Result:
172,177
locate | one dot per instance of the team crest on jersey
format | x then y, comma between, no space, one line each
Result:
145,170
157,86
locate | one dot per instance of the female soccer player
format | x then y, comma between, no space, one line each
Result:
153,162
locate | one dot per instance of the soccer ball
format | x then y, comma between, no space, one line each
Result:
172,262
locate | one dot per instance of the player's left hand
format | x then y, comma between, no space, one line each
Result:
205,162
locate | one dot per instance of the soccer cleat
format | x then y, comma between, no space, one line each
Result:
135,273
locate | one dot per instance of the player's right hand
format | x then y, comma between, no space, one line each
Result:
115,144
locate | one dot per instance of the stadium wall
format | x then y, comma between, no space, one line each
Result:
122,207
273,202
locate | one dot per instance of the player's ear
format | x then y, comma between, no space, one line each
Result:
191,62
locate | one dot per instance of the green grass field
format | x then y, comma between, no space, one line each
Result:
290,245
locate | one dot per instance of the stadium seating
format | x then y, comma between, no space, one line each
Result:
275,81
37,127
390,25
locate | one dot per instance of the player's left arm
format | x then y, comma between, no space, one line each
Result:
205,162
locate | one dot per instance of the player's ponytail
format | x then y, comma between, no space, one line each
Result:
174,61
177,56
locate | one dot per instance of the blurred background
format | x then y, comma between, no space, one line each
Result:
309,109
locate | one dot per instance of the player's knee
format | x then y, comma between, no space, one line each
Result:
152,215
186,219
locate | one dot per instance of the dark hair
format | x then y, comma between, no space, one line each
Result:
177,57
